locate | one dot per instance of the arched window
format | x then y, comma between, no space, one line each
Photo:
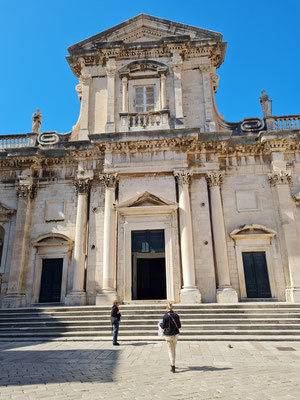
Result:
2,233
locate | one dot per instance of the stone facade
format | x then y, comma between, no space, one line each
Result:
151,153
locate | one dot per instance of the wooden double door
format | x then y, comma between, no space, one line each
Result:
51,279
256,275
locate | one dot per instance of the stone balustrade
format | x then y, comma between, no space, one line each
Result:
283,122
149,121
16,141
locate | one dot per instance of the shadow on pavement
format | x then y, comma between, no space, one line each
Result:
29,367
204,368
138,343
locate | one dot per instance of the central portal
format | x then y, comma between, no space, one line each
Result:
148,265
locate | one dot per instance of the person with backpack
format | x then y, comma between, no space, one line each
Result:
115,318
171,325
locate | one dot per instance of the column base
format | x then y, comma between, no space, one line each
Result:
292,295
227,295
190,296
83,134
110,127
105,298
14,301
76,299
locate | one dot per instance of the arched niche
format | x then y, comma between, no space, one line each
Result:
51,246
255,238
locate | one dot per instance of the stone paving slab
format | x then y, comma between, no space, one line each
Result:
98,370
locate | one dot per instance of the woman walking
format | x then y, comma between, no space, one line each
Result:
115,318
171,325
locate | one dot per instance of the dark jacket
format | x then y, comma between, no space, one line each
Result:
168,325
115,315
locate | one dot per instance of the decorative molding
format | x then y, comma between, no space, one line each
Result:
25,188
109,180
82,185
85,79
281,177
214,178
183,177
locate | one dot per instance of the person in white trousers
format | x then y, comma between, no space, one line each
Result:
171,325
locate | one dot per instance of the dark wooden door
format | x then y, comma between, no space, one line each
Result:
256,275
51,280
151,279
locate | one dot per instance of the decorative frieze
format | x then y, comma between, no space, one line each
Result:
82,185
282,177
183,177
214,178
109,180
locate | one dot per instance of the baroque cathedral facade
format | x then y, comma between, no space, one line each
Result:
152,195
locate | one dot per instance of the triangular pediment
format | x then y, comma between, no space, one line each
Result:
5,210
146,199
253,229
144,28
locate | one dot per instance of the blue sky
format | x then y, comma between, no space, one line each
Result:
262,53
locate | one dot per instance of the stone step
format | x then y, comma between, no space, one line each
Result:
130,327
186,338
153,307
150,322
142,333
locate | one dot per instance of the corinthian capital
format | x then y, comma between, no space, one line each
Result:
82,185
109,180
214,178
281,177
85,79
182,177
25,188
111,67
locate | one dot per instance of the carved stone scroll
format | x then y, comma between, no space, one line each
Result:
282,177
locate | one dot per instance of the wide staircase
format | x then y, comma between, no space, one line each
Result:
243,321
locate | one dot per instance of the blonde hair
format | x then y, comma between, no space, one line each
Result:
169,306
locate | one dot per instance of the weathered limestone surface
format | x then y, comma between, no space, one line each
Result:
150,152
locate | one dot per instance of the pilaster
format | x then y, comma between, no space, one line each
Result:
85,82
15,297
210,125
111,78
177,64
281,180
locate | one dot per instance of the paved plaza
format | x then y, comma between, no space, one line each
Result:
140,370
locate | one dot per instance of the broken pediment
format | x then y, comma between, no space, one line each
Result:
144,28
146,199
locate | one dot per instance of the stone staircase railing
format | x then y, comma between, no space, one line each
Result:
17,141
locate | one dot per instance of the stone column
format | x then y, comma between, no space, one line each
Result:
189,293
280,180
177,70
78,294
111,77
108,294
124,94
163,91
225,293
15,296
210,125
85,81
